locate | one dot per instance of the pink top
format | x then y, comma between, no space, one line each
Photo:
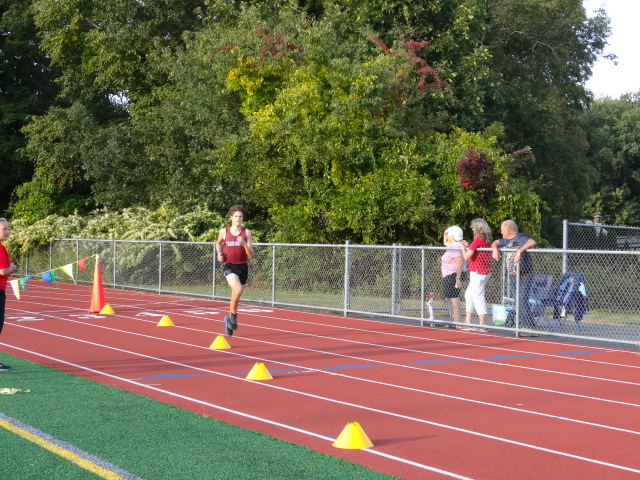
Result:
449,262
480,262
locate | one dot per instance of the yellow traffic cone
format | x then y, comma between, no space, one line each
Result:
165,322
220,343
107,310
353,437
259,372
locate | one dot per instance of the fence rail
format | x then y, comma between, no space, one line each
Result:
394,282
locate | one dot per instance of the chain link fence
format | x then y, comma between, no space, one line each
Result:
396,283
598,236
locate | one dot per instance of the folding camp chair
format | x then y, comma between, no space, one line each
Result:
540,297
569,297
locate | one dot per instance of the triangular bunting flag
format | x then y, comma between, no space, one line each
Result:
68,269
53,276
16,288
48,278
81,265
23,280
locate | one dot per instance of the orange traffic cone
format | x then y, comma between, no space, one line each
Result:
97,295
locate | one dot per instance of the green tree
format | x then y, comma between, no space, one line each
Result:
330,155
494,194
102,50
57,147
102,47
324,141
454,31
26,88
614,140
334,126
543,51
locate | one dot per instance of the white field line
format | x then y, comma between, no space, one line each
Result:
318,397
361,359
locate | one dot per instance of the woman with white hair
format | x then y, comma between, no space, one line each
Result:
453,266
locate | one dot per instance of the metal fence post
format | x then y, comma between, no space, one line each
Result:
517,297
347,274
273,275
422,286
160,268
393,279
565,244
213,272
400,288
115,258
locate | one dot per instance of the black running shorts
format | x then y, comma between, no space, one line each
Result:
239,269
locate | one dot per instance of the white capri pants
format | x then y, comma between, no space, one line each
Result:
474,296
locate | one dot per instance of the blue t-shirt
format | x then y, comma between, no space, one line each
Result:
526,262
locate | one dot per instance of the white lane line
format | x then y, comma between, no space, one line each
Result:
421,369
317,397
450,342
241,414
492,362
401,387
464,344
433,371
457,357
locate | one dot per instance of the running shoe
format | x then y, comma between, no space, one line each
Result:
4,368
227,325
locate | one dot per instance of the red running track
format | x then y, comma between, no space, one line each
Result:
436,403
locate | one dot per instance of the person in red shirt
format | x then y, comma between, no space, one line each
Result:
6,269
479,267
234,247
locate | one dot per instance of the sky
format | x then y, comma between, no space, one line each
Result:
615,80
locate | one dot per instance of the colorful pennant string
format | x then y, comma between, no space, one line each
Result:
49,276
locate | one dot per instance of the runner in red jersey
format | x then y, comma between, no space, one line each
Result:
234,247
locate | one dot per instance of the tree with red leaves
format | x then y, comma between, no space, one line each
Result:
474,172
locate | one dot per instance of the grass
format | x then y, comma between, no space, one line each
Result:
142,436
